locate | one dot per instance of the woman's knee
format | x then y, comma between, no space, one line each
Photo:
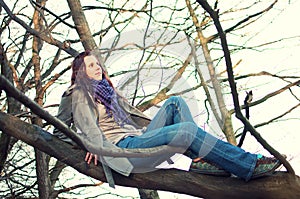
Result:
189,129
188,132
175,99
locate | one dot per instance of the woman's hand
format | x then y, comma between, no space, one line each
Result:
89,156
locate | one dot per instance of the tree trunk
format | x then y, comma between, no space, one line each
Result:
81,25
42,170
42,165
13,106
221,113
148,194
55,172
281,185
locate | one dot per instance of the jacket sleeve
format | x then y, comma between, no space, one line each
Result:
65,115
85,120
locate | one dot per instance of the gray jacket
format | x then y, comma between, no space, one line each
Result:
77,109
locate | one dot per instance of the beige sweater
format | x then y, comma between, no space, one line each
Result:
112,130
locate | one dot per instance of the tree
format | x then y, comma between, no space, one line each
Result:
41,71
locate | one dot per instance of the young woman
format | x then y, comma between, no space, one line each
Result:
103,118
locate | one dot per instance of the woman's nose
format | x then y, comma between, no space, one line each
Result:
98,67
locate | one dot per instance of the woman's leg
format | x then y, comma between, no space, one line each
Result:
179,135
173,125
227,156
174,110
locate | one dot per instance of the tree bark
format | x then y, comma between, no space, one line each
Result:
280,185
148,194
13,106
42,165
81,25
224,118
55,172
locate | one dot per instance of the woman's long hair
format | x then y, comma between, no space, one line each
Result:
78,68
101,91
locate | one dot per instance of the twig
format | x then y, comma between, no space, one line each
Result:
42,35
247,100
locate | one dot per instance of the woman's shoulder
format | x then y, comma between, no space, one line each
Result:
69,90
75,89
81,94
73,92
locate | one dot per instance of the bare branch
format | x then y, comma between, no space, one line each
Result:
42,35
232,84
162,94
213,37
268,96
278,117
53,14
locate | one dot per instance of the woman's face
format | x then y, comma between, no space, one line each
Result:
93,68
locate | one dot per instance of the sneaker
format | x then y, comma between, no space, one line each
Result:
265,166
204,167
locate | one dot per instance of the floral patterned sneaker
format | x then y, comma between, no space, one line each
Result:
265,166
204,167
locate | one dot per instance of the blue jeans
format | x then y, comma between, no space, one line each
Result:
173,125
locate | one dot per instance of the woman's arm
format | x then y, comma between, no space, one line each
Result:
86,121
65,115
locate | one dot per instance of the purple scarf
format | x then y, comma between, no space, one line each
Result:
106,94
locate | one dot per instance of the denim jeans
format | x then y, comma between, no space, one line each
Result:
173,125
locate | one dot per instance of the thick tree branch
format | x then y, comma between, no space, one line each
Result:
13,107
279,186
224,122
81,25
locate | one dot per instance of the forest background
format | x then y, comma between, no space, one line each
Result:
264,51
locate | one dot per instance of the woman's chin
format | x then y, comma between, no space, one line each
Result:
97,78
